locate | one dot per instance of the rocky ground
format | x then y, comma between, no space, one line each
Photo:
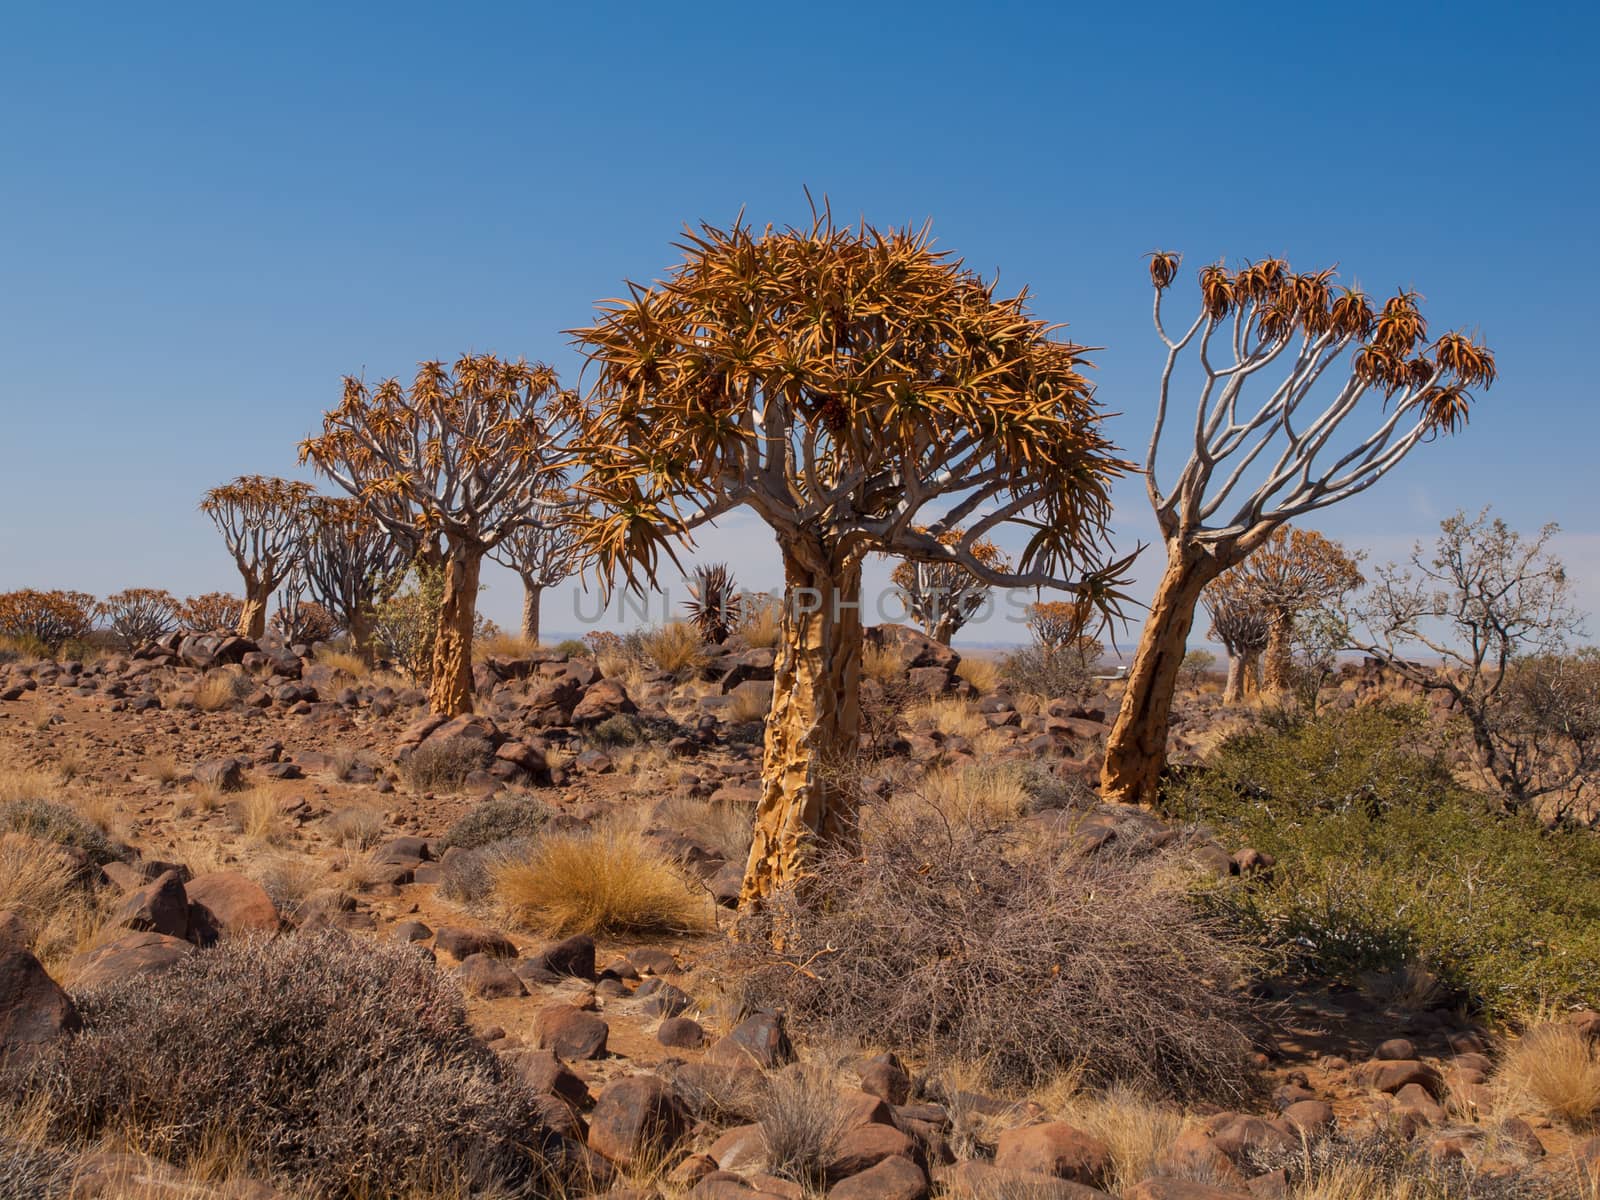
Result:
253,790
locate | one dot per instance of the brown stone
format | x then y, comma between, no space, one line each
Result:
1055,1149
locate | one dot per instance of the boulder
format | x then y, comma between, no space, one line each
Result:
866,1146
228,904
894,1178
223,774
602,700
1180,1189
34,1011
462,944
759,1040
571,1032
161,906
126,957
635,1116
974,1180
1055,1149
488,978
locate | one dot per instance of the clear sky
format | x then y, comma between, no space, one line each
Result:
211,213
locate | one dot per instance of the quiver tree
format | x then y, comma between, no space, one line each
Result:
1292,572
1243,629
942,596
210,613
140,615
460,457
542,554
861,394
714,604
300,620
261,519
1261,452
350,563
49,619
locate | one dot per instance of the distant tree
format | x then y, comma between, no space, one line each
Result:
140,615
1196,666
48,619
300,620
210,613
1294,571
459,457
714,605
350,562
861,394
1486,617
1379,363
1243,628
261,520
943,596
542,554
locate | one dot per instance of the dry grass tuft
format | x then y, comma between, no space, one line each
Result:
1137,1130
439,767
718,824
762,626
354,828
163,769
346,662
950,716
605,881
36,879
502,645
982,673
222,688
1556,1069
23,783
748,705
675,647
982,795
885,664
801,1116
258,817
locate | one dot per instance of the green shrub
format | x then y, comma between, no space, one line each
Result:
345,1065
1385,861
573,648
511,815
59,825
617,731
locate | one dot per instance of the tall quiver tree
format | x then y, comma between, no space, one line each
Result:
459,457
351,563
942,597
861,394
1252,465
542,554
262,520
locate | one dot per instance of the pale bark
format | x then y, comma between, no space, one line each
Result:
1252,673
1136,751
450,694
1233,689
253,616
814,729
531,594
1279,658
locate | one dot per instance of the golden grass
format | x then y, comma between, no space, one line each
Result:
162,769
950,716
502,645
675,646
1556,1069
762,627
974,793
981,673
748,706
258,816
26,783
221,689
35,878
883,663
722,826
347,662
354,828
605,881
1136,1129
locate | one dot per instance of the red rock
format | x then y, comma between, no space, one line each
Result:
634,1116
161,906
867,1146
1055,1149
227,904
570,1032
974,1180
126,957
894,1178
34,1011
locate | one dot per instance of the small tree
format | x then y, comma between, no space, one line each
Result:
261,520
1252,466
350,562
48,619
140,615
942,597
542,554
1294,571
1196,666
1491,613
714,605
461,455
210,613
861,394
1243,629
299,619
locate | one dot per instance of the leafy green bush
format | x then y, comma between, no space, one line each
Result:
1384,860
511,815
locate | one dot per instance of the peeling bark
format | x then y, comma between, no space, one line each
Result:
253,616
1279,656
814,729
450,693
1136,751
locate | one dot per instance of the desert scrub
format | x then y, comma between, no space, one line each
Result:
51,822
347,1066
1384,862
440,766
509,816
604,881
968,945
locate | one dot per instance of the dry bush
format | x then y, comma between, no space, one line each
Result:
34,1171
604,881
950,716
965,944
982,794
354,828
51,618
162,768
346,662
56,823
214,612
508,816
222,688
620,729
346,760
747,705
291,879
718,824
981,673
884,664
801,1116
761,621
1384,1166
676,647
346,1065
1136,1129
1555,1069
502,644
468,877
439,766
24,783
36,879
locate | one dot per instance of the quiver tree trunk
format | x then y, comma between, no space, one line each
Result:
1280,654
253,616
531,595
450,693
943,629
1136,751
1252,673
360,629
1233,689
814,728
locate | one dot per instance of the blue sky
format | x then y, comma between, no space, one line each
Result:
212,213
